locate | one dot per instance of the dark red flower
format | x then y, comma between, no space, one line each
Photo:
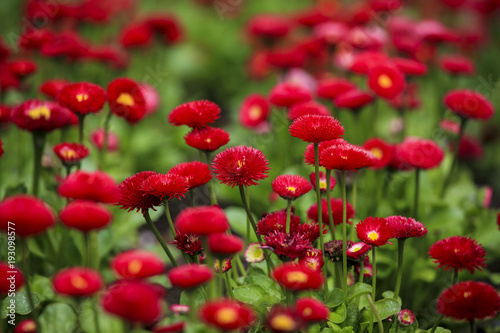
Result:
410,66
190,276
374,231
469,300
322,181
167,26
227,315
97,139
138,34
4,114
455,64
254,111
51,88
420,153
165,186
222,266
331,32
310,310
126,100
330,88
240,166
11,278
387,80
188,243
207,138
301,109
137,264
313,259
287,246
276,221
33,39
77,282
196,173
82,97
85,215
309,152
334,249
469,104
25,326
134,301
297,277
363,62
268,26
469,148
458,252
134,197
1,149
96,186
314,128
202,220
406,227
27,214
22,68
337,211
357,251
224,245
35,116
287,94
382,151
287,57
194,114
435,32
291,187
65,44
345,156
71,153
353,99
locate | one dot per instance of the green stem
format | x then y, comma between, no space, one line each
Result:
81,124
240,266
454,163
94,250
455,277
320,214
344,233
169,218
38,145
191,197
375,312
27,273
401,249
104,150
374,283
436,323
361,271
213,198
288,213
328,200
229,289
88,252
212,287
417,192
159,238
96,318
472,326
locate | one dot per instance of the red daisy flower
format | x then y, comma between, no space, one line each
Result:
4,114
77,281
33,39
469,104
458,252
133,196
455,64
137,264
22,67
126,100
188,243
310,230
287,94
167,26
322,181
345,156
406,227
387,81
374,231
196,173
337,211
353,99
40,116
190,276
397,161
202,220
315,128
136,35
269,26
313,259
410,66
254,111
291,187
297,277
334,249
287,57
283,320
469,149
97,139
301,109
71,153
224,245
276,221
367,268
364,61
194,114
382,151
330,88
406,317
85,215
420,153
207,138
96,186
82,97
240,166
227,315
310,310
6,272
165,186
357,251
287,246
469,300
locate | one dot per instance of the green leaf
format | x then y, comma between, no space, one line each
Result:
16,189
253,294
335,298
43,287
35,249
386,307
58,317
439,330
359,289
271,287
338,314
193,298
19,304
237,218
352,318
390,294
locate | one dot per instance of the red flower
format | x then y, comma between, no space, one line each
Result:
151,97
35,116
322,181
382,152
137,264
4,114
165,186
406,317
365,61
469,104
410,66
190,276
287,246
188,243
420,153
313,259
345,156
224,266
77,281
240,166
126,100
28,215
139,34
26,326
224,245
469,148
1,149
301,109
310,310
196,173
96,186
97,139
134,301
227,315
207,138
386,80
455,64
297,277
167,26
287,94
469,300
337,211
330,88
194,114
357,251
406,227
11,277
268,26
458,252
134,197
314,128
254,111
276,221
353,99
51,88
82,97
71,153
85,215
202,220
374,231
291,187
33,39
287,57
283,320
21,67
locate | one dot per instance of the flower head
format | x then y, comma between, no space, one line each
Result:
406,317
6,271
381,151
207,138
269,26
406,227
134,197
313,259
126,99
469,104
287,94
97,139
301,109
254,111
51,88
310,310
137,264
420,153
194,114
26,326
190,276
283,320
71,153
315,128
309,152
276,221
82,97
96,186
227,315
455,64
165,186
374,231
410,67
334,249
224,245
322,181
287,246
254,253
297,277
330,88
386,80
77,281
337,211
458,252
353,99
202,220
188,243
196,173
357,251
36,116
345,156
85,215
240,166
291,187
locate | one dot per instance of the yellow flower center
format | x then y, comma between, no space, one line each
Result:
291,188
255,112
343,157
78,282
283,322
208,140
69,154
299,277
255,253
373,235
377,152
384,81
467,294
82,97
356,248
312,265
226,315
134,266
241,163
307,311
39,112
406,317
29,327
125,99
322,185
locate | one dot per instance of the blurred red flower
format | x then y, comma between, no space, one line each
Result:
194,114
96,186
126,100
137,264
227,315
77,282
85,215
82,97
202,220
